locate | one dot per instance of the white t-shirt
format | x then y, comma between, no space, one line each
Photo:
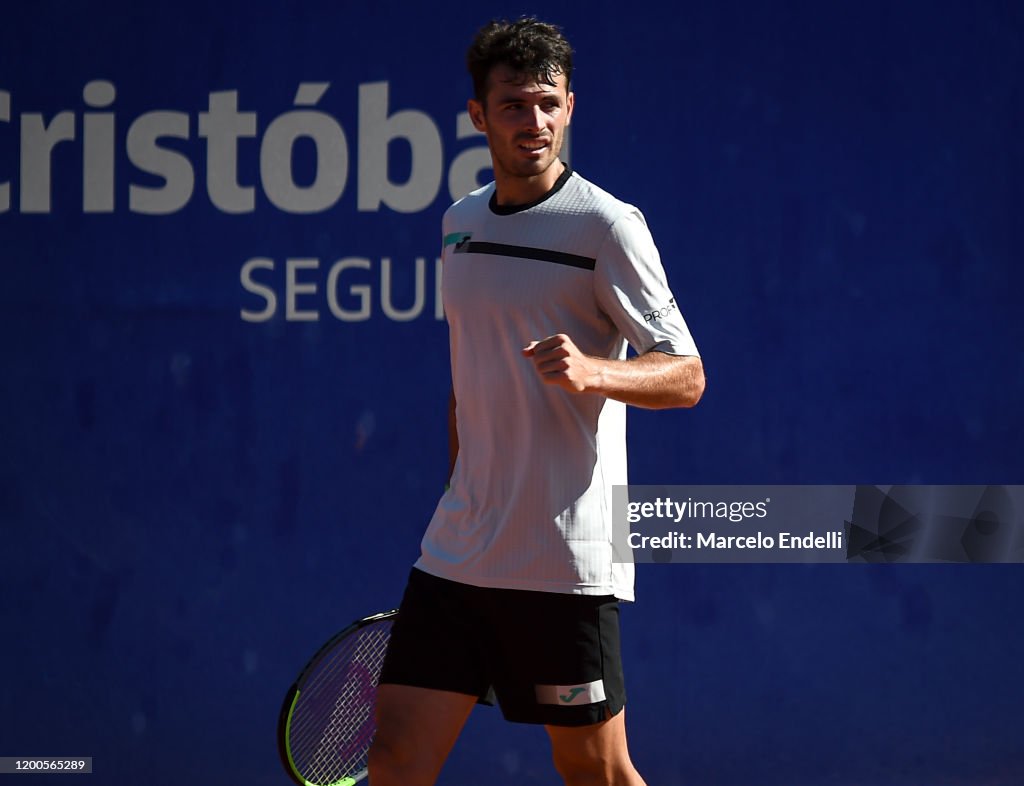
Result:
530,503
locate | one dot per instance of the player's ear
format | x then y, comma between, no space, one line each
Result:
570,102
476,114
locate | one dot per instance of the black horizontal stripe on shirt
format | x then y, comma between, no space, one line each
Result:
526,252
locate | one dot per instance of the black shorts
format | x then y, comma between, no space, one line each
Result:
548,657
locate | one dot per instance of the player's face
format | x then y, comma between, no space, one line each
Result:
525,124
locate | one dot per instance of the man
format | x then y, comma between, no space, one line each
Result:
546,278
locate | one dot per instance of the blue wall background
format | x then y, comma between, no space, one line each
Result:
190,502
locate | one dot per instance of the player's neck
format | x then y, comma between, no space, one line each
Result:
511,190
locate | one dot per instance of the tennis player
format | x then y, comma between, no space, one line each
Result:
547,278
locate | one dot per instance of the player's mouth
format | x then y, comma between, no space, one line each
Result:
535,146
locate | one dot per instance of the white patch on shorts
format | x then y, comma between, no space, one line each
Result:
571,695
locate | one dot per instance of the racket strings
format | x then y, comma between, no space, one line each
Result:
338,677
335,735
332,720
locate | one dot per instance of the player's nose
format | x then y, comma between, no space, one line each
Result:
536,118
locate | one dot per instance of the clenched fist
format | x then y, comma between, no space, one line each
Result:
560,362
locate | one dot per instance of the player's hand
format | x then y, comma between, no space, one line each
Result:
560,362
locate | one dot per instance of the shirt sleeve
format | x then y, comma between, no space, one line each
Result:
632,288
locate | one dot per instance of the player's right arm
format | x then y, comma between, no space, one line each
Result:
654,380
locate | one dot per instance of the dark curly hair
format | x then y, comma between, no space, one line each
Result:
533,49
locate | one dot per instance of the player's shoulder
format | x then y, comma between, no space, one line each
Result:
472,203
586,197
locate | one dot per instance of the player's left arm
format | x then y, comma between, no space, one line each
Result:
655,380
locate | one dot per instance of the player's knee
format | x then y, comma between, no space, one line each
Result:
579,768
391,763
590,766
400,757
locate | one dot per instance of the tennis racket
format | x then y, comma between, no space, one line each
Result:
326,722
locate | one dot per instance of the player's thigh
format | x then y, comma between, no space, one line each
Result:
417,727
597,753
